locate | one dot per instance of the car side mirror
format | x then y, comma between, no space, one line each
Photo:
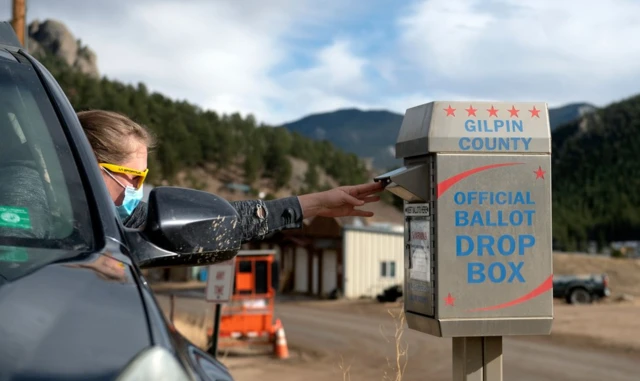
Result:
186,227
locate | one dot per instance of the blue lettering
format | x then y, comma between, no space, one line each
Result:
519,198
483,197
524,242
491,198
505,244
490,245
485,242
499,125
515,271
470,125
477,219
517,126
496,218
475,272
462,144
459,239
496,272
529,202
510,241
490,145
501,270
515,219
462,218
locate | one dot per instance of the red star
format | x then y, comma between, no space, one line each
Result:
448,301
493,111
539,173
450,111
471,111
513,111
535,112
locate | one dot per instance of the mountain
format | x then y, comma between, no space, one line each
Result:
53,38
596,177
372,134
568,113
368,134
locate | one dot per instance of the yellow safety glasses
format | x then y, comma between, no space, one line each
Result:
140,175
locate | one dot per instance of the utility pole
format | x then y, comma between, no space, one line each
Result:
18,21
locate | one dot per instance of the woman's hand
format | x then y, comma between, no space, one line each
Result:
340,201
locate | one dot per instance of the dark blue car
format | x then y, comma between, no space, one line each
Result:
73,302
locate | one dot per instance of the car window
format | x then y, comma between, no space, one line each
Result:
42,200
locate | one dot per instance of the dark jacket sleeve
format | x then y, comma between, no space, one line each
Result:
276,215
257,217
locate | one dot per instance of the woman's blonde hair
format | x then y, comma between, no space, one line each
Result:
110,135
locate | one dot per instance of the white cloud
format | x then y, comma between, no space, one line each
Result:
559,51
336,79
217,54
337,68
244,56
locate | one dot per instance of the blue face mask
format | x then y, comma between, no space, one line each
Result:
132,198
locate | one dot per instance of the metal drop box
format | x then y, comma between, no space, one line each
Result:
476,185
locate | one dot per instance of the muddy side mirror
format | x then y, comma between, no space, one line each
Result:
186,227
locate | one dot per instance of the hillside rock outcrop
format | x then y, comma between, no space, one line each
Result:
52,37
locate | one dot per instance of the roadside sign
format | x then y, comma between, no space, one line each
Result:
220,281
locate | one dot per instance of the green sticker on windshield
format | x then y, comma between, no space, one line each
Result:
14,217
16,254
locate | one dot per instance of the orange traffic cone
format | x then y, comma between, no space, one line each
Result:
281,348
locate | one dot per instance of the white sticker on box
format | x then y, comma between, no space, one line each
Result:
420,250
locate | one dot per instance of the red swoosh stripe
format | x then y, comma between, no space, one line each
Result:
444,185
541,289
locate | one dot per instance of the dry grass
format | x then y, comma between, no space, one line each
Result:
399,364
401,350
609,325
346,374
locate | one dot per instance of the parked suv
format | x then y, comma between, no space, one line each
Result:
73,302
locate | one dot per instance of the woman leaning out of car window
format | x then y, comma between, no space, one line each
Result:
122,145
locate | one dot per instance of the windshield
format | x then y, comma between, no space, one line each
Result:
42,200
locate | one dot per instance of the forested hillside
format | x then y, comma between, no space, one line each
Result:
190,137
596,177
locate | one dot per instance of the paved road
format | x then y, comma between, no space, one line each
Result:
356,334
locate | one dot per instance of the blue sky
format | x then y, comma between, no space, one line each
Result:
283,59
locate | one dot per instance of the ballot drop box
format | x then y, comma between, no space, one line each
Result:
476,185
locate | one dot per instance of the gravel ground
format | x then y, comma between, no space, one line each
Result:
588,343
